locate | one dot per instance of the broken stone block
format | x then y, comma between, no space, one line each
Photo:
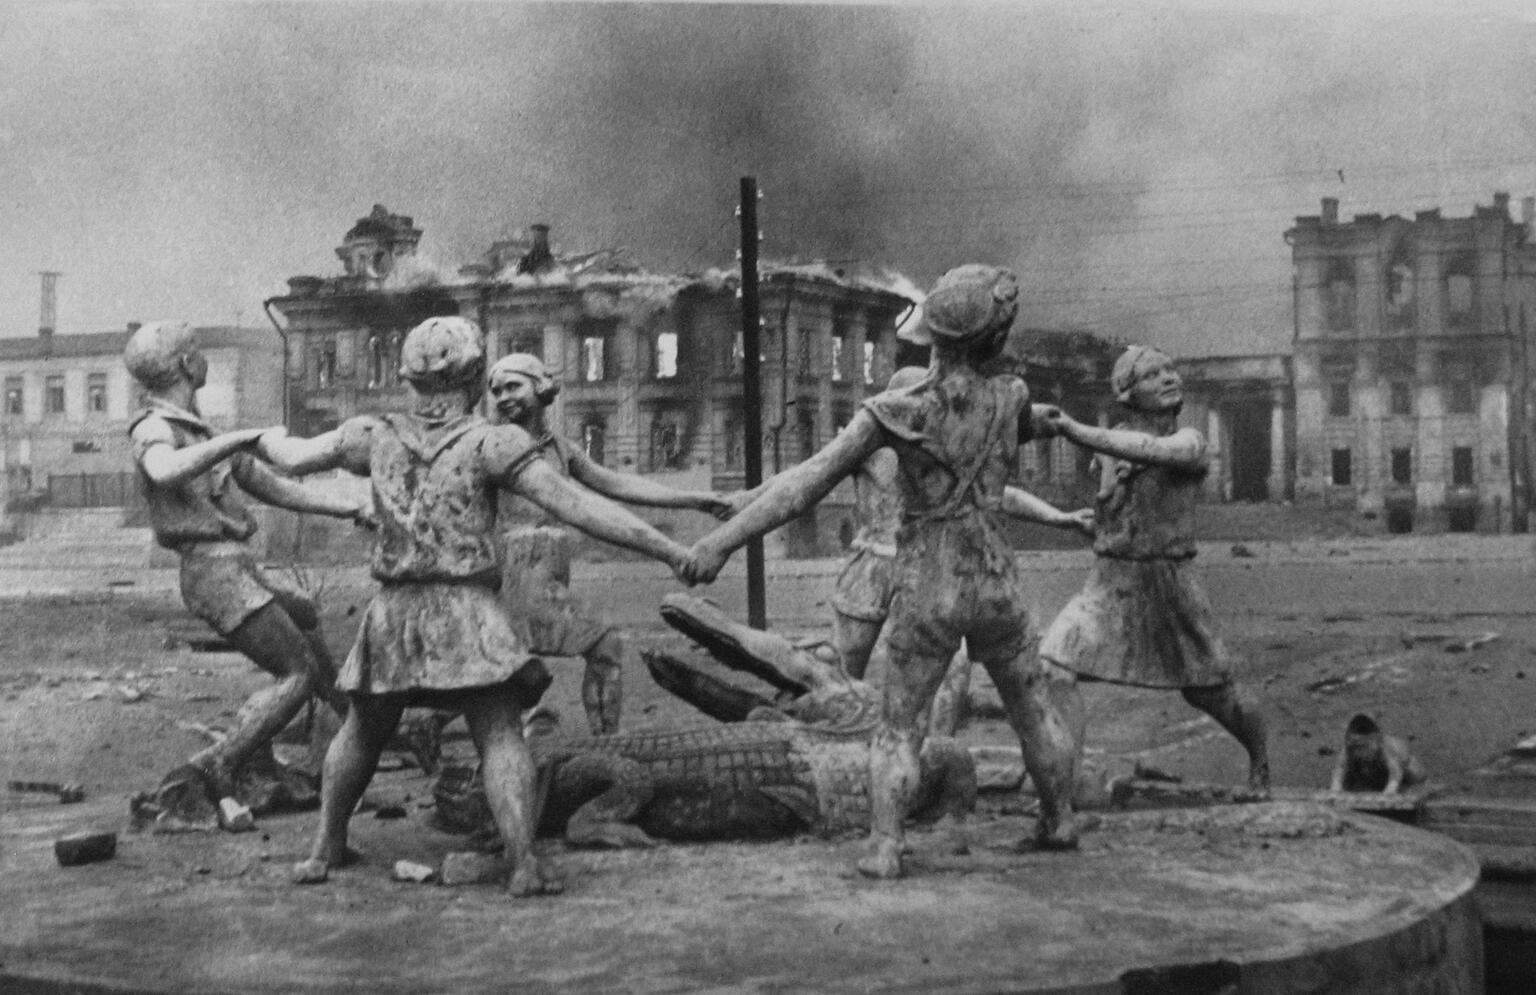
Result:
406,870
472,868
235,817
85,848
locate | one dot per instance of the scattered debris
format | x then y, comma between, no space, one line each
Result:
1241,551
998,768
1469,645
68,794
406,870
235,817
468,867
85,848
130,694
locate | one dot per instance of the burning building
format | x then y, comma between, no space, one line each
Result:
651,364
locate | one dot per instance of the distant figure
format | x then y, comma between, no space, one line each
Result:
956,436
436,634
1373,761
1142,619
537,576
188,475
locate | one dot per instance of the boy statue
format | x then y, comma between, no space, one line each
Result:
1141,618
187,474
956,435
435,634
536,577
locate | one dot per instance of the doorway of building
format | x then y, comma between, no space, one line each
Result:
1249,450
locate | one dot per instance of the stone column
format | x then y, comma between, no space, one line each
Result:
625,428
554,356
1279,459
1218,486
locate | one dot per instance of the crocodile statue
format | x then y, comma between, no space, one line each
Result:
792,763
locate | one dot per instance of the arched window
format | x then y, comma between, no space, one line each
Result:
378,349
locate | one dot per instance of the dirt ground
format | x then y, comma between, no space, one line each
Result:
110,688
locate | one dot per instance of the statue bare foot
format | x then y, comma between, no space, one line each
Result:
883,860
316,870
1054,834
311,871
533,876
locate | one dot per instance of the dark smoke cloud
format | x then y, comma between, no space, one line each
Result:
1137,164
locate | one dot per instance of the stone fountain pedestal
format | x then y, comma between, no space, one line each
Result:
1274,897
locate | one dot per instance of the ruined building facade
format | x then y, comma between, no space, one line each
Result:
650,364
1411,357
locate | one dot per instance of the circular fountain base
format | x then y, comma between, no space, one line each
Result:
1270,897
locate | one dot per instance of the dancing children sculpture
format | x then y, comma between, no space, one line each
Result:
1141,618
188,475
956,436
536,584
435,633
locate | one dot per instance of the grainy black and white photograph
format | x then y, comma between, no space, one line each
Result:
679,497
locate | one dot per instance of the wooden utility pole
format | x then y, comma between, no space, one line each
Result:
752,391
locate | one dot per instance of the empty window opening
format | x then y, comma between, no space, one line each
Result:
1461,466
1341,475
1339,399
666,356
1460,398
1339,295
594,365
96,393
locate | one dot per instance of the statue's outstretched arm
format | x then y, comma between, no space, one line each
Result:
164,464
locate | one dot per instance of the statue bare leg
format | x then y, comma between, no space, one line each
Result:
271,639
506,764
1236,712
349,766
854,640
894,766
1047,714
602,689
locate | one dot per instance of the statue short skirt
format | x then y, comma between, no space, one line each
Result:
427,641
1140,622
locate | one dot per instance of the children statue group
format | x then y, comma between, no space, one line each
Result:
472,517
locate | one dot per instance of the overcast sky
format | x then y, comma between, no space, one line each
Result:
1137,163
